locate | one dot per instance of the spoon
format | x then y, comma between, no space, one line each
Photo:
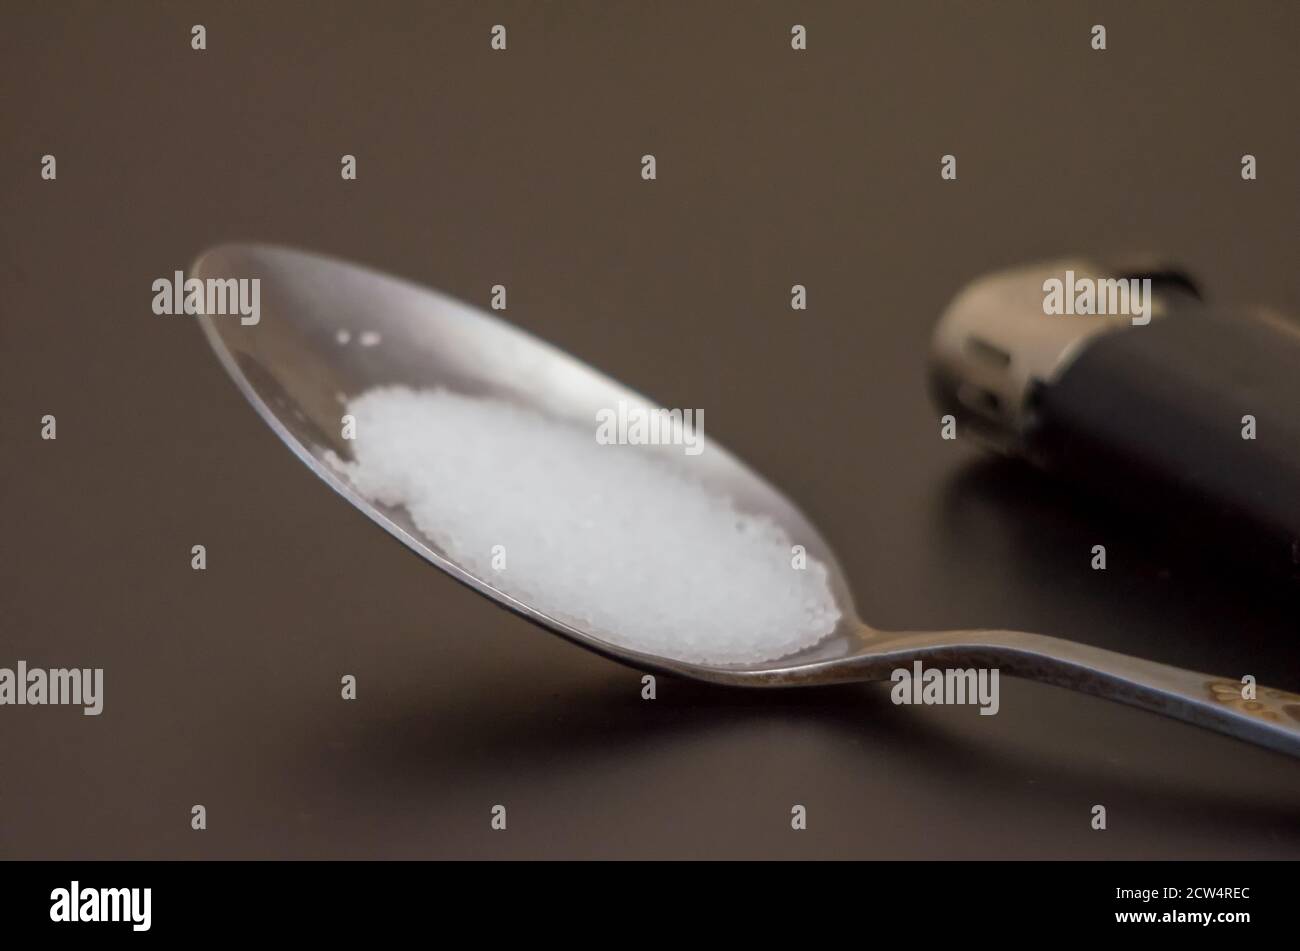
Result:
330,330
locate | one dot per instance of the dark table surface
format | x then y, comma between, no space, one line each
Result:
522,168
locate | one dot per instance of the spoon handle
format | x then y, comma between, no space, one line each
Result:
1262,715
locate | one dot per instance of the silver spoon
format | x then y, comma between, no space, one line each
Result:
295,369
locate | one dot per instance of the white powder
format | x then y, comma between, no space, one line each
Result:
603,537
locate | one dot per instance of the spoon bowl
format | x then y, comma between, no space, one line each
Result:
305,358
329,330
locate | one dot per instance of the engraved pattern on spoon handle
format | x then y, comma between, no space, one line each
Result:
1271,718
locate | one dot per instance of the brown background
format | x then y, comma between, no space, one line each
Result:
222,687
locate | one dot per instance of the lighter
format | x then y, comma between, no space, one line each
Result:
1126,382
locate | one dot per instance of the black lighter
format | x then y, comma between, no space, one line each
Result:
1125,381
